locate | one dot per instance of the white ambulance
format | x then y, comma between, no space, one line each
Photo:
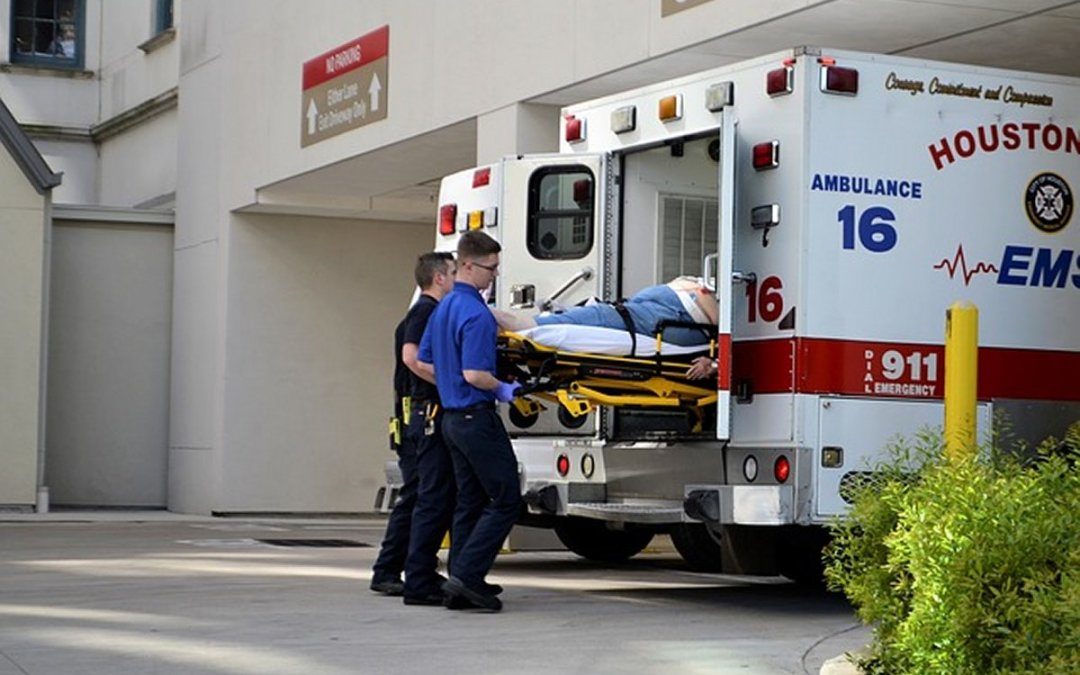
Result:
838,202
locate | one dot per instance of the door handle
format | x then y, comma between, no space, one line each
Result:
743,277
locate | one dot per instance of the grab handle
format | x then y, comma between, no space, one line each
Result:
584,275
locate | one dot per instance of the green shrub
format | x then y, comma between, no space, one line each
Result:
972,567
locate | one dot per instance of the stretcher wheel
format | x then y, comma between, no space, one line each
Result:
568,420
520,419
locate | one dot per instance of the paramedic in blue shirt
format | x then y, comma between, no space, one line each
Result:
459,344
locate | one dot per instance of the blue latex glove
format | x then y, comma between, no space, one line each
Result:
506,391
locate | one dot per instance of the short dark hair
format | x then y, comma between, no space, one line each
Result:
430,264
476,244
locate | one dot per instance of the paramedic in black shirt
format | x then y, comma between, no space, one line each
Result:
425,501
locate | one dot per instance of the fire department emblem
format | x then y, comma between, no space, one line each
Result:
1048,201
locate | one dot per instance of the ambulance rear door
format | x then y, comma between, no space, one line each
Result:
553,237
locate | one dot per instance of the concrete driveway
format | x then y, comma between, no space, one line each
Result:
158,593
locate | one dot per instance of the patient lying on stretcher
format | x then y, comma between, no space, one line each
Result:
684,299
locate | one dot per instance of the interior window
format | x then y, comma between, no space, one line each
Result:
688,231
561,205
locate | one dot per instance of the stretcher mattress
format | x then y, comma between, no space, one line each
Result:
598,340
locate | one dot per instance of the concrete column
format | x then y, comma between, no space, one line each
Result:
517,129
199,275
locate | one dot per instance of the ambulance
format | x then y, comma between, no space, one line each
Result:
838,203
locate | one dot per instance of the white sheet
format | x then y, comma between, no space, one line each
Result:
597,340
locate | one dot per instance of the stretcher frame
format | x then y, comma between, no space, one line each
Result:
579,382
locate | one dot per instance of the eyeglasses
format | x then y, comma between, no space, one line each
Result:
490,268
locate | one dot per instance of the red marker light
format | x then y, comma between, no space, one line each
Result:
481,177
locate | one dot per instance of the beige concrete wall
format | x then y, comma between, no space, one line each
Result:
309,359
110,315
140,165
22,222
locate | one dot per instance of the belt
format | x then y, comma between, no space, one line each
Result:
490,405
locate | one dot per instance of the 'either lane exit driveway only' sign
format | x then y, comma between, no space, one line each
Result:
345,88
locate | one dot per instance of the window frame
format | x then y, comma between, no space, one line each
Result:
37,60
534,214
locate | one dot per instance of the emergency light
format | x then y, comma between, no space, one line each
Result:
782,80
837,80
719,95
575,129
670,108
624,119
447,218
766,155
481,177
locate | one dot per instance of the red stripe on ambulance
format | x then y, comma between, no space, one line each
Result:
899,370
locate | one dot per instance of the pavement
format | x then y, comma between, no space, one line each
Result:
155,592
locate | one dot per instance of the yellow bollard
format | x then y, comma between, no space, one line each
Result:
961,379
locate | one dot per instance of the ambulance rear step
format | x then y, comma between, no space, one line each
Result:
651,513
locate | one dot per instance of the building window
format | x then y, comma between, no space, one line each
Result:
560,213
688,231
47,32
163,16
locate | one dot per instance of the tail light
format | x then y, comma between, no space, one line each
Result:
562,465
781,469
447,218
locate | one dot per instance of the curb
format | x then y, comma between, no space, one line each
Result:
840,665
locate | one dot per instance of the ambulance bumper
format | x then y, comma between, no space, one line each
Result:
740,504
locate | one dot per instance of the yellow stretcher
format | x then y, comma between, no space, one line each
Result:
579,382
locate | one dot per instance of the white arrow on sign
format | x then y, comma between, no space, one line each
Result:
312,115
373,91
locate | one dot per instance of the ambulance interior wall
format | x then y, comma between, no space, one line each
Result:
110,315
313,303
22,221
650,175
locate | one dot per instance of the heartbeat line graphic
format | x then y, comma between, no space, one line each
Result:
960,263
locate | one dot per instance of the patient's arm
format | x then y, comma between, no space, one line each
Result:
512,321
